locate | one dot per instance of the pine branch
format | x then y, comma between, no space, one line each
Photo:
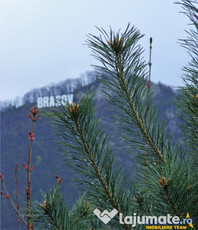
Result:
85,144
165,185
187,98
98,172
53,214
86,149
135,112
124,75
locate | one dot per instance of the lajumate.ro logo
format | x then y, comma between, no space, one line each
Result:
151,222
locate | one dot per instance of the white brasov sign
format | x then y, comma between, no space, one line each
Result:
53,101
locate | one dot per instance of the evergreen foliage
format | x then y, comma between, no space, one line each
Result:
53,214
187,98
86,149
164,182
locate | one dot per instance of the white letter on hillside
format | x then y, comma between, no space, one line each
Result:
58,98
64,99
39,102
70,98
52,101
45,102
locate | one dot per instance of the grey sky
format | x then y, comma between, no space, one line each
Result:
42,41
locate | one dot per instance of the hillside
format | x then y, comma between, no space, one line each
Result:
15,126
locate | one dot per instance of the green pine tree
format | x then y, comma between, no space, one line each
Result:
166,177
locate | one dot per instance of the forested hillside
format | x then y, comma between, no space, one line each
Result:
15,125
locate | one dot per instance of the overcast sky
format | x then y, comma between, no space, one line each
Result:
42,41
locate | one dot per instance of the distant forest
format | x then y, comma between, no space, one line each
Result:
64,87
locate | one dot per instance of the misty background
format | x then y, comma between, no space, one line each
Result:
42,42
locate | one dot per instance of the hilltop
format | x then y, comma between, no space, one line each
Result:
15,126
